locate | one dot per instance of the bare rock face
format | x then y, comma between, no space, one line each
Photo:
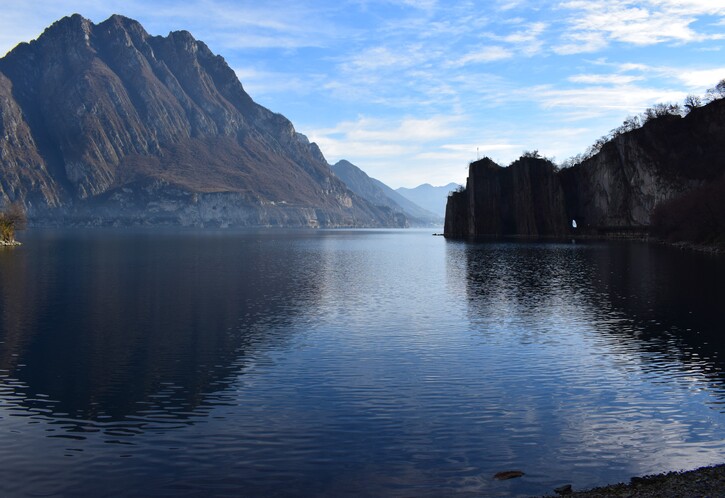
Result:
637,171
97,120
525,199
619,187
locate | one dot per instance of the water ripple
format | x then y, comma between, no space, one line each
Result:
352,363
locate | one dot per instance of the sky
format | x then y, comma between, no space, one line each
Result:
412,91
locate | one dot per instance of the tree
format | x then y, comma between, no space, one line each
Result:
12,219
718,92
692,102
660,110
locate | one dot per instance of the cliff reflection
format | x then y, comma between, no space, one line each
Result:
100,326
665,303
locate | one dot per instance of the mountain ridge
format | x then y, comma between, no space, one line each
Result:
377,193
106,124
431,198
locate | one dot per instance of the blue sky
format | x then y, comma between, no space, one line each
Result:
412,91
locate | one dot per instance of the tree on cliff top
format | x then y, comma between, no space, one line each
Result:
11,219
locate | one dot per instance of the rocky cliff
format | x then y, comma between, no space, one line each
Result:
105,124
617,189
524,199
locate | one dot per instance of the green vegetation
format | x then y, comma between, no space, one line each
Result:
11,219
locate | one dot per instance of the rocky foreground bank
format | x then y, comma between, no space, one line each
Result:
703,482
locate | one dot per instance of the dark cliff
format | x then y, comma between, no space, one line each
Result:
617,189
107,124
524,199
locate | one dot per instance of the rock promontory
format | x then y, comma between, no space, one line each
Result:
642,176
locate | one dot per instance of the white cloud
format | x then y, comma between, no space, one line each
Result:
698,80
376,133
581,42
260,82
464,153
382,57
600,99
380,145
593,24
483,55
604,79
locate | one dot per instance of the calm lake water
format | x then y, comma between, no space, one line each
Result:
351,363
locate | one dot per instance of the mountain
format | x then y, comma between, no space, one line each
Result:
670,171
105,124
427,196
379,194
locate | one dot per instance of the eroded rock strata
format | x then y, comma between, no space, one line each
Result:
106,124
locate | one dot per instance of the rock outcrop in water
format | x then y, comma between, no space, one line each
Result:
615,191
105,124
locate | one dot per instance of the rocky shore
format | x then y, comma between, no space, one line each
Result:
702,482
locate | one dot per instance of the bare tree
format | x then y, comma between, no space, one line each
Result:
12,219
692,102
717,92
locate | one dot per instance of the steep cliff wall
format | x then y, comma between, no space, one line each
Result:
636,171
619,187
525,199
92,112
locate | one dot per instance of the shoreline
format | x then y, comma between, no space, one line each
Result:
703,481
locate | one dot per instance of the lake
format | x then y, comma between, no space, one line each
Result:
352,363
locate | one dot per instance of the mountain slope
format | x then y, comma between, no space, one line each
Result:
107,124
429,197
379,194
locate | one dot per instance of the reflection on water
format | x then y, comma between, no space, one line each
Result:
128,324
358,363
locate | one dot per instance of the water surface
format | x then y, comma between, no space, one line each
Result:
351,363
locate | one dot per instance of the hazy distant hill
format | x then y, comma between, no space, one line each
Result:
379,194
429,197
105,124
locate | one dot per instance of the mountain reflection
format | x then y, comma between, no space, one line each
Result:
662,302
102,326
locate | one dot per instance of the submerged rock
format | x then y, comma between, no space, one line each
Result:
508,474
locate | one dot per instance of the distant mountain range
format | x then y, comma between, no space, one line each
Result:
429,197
105,124
379,194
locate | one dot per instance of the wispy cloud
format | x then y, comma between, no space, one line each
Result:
598,99
483,55
592,24
604,79
698,79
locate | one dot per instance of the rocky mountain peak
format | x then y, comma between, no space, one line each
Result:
148,128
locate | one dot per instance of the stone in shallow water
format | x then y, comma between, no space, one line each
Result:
507,474
563,490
